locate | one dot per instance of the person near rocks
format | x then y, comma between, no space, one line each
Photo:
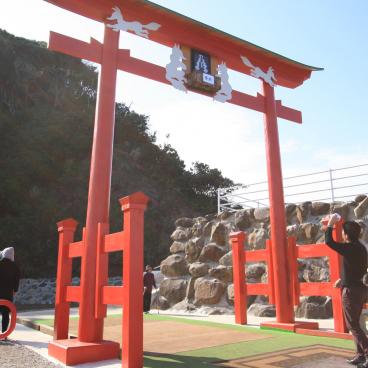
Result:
9,282
353,290
148,283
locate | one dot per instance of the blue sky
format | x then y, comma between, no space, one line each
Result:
324,33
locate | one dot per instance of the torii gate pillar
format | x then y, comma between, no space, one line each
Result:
283,297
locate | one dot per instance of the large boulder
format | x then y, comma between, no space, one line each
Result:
254,272
242,220
177,247
257,239
227,259
208,291
343,209
307,233
193,249
262,214
173,290
198,269
361,209
218,234
211,253
230,294
223,273
314,307
320,208
303,211
181,234
262,310
184,222
290,213
174,265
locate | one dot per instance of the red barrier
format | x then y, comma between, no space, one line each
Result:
319,288
129,296
13,318
242,289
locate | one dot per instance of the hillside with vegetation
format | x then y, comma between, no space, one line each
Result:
47,103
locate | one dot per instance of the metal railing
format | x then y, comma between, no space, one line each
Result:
331,185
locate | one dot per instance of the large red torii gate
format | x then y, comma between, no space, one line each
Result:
174,28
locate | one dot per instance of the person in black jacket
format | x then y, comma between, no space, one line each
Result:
9,282
148,283
354,292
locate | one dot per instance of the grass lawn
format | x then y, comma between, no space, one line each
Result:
276,340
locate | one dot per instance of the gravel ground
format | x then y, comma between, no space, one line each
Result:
13,355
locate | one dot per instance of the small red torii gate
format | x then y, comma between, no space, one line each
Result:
296,288
167,29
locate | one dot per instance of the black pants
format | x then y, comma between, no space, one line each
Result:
147,301
353,299
5,318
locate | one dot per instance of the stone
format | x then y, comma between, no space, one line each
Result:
227,259
257,239
255,271
262,310
223,273
208,291
174,265
180,234
290,213
218,234
361,209
314,307
193,249
184,222
308,232
359,198
189,296
320,208
207,230
262,214
211,253
242,220
225,215
198,269
177,247
230,294
303,211
174,290
343,209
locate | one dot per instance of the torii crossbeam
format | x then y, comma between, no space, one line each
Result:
166,27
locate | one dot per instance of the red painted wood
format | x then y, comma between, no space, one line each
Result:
113,295
281,266
102,273
90,329
240,288
132,331
270,273
294,269
75,249
115,242
73,294
316,288
256,255
13,318
258,289
66,229
196,35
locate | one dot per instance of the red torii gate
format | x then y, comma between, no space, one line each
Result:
224,47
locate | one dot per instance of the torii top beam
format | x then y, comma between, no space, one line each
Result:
178,29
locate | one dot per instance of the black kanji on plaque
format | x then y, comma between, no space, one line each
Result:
201,62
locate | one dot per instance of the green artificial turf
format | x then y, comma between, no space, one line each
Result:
274,341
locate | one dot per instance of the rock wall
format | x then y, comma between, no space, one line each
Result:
198,271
